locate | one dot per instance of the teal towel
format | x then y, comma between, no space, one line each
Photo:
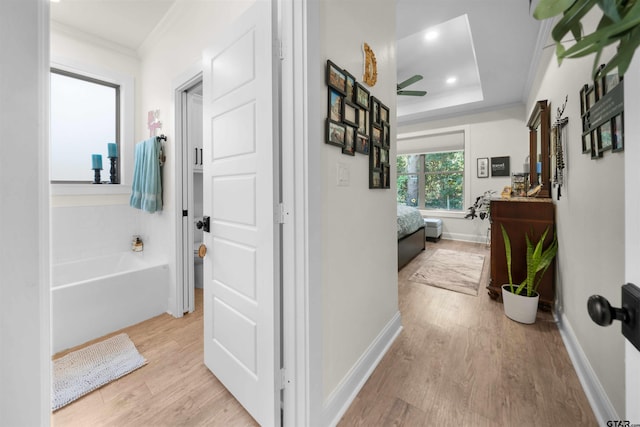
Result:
146,190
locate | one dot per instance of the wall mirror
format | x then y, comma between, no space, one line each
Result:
539,128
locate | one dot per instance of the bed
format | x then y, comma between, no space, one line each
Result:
411,234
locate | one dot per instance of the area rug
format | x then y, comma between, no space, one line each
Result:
452,270
88,369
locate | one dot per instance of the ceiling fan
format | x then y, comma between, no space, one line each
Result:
408,82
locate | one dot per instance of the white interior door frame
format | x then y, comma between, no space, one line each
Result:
183,291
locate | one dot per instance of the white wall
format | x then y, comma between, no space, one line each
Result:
359,259
94,220
590,226
496,133
24,210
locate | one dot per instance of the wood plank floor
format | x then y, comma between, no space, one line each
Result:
460,362
451,365
175,388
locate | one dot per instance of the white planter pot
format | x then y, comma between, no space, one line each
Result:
520,308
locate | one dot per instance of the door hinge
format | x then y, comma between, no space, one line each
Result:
281,49
281,214
185,212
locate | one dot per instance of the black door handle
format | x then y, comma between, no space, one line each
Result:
602,313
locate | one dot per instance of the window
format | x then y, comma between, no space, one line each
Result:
431,180
85,117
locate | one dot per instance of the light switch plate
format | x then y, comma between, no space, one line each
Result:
631,302
343,175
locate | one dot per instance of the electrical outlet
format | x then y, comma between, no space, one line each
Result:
631,303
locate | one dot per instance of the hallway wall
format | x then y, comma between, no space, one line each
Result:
590,226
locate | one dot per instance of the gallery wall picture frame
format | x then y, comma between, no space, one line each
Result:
375,111
362,144
335,133
350,113
336,78
605,136
617,130
349,86
483,167
376,135
363,121
349,141
596,146
384,113
586,143
336,106
361,96
386,135
500,166
375,179
375,157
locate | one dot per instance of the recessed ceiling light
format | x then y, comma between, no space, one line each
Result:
431,35
451,80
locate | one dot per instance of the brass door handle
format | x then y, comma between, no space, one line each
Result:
202,250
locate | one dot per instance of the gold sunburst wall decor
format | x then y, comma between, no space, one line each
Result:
370,76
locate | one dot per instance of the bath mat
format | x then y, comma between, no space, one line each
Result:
88,369
452,270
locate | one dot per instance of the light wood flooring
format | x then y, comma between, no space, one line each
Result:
458,362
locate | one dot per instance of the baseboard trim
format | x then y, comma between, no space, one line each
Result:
598,399
473,238
341,398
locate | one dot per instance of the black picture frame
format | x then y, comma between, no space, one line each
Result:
375,179
605,136
596,147
336,78
349,86
386,135
349,147
500,166
361,96
617,130
482,164
376,135
335,133
586,142
336,102
375,157
386,179
375,110
350,113
362,143
363,121
384,114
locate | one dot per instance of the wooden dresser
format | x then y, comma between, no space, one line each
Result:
520,216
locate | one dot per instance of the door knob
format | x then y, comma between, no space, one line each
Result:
602,313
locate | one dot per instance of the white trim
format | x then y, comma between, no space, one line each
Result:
598,399
44,214
343,395
463,237
186,80
75,33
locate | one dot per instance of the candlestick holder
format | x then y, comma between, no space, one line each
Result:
113,172
96,176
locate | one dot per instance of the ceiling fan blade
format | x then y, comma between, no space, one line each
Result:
409,81
412,92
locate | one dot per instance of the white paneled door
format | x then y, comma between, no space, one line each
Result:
240,174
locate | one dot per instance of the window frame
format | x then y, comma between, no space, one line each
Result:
118,118
127,135
404,147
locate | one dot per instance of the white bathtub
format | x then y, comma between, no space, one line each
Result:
96,296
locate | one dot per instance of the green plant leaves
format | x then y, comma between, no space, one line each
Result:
619,24
507,252
550,8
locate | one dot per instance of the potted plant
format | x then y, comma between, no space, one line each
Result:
481,207
521,301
